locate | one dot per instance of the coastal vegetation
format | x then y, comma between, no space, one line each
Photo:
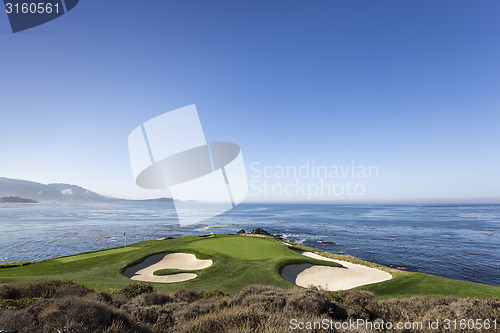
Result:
63,306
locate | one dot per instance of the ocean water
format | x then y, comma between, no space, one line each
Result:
455,241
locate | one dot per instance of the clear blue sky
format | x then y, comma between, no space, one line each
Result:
412,87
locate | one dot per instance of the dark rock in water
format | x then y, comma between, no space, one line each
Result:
16,200
327,242
241,231
260,231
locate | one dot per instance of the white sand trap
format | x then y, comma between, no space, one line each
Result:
333,278
186,261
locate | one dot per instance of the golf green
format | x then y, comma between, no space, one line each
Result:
238,261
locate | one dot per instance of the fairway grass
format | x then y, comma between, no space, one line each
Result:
238,261
409,284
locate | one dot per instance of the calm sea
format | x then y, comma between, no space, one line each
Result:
455,241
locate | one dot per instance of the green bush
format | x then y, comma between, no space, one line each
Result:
9,292
46,289
214,293
55,288
152,298
15,304
16,264
136,289
188,296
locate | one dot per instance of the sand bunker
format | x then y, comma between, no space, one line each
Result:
333,278
185,261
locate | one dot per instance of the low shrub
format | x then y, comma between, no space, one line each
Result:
15,304
46,289
314,302
55,288
188,296
254,309
229,320
9,292
152,298
150,315
134,289
68,314
196,309
214,293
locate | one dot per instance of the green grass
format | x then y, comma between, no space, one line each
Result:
91,255
408,284
16,264
238,261
245,247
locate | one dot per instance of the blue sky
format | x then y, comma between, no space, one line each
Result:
412,87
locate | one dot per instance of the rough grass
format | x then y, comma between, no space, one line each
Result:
408,284
16,264
69,307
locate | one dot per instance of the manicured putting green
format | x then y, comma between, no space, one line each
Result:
244,247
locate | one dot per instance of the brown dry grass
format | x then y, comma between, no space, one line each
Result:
68,307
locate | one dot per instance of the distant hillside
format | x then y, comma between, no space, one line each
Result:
16,200
50,192
57,192
153,200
